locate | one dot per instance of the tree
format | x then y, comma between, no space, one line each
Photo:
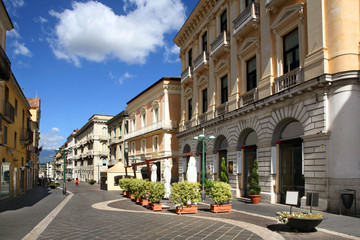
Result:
255,188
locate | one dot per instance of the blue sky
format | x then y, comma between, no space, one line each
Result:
91,57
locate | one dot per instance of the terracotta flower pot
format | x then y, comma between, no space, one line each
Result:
144,202
255,199
124,193
138,199
156,206
220,208
187,209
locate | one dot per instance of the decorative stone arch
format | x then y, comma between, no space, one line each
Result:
287,153
220,149
247,153
185,159
250,123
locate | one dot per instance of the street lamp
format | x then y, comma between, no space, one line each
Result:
63,152
202,138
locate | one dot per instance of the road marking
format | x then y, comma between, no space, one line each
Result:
260,231
38,229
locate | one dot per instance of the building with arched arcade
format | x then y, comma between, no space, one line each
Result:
276,81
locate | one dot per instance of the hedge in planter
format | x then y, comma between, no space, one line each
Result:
185,195
221,194
124,184
92,181
156,193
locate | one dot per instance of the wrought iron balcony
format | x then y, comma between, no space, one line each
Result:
289,79
249,97
9,115
201,61
221,44
5,65
26,136
186,74
242,24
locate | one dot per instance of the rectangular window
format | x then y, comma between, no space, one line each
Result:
133,148
251,82
5,180
224,89
190,57
143,120
133,124
143,146
16,107
5,135
204,42
120,130
223,21
155,143
156,114
204,100
248,3
189,109
291,51
15,139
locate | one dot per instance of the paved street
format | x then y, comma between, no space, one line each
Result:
90,213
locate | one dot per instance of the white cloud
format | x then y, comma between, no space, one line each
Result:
92,31
20,49
51,140
13,34
122,78
171,54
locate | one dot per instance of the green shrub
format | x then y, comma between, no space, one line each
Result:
255,188
69,179
92,181
145,189
57,184
220,193
224,177
124,184
208,184
185,193
156,192
52,185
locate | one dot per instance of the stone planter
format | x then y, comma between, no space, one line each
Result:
347,199
220,208
187,209
255,199
304,224
156,206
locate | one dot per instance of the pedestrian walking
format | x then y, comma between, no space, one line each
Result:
77,181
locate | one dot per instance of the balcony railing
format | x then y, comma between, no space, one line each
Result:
166,125
5,65
222,109
221,42
251,13
187,73
26,136
249,97
289,79
9,112
202,118
201,61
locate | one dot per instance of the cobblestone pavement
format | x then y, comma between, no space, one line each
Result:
91,213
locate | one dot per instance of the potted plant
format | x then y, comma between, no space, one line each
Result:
132,187
223,175
69,179
185,195
302,222
145,192
92,181
123,184
208,185
52,185
255,188
221,194
156,193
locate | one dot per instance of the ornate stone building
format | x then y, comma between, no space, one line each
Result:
276,81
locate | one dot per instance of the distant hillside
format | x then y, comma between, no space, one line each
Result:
46,155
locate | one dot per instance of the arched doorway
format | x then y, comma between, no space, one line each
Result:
186,159
221,146
247,141
291,172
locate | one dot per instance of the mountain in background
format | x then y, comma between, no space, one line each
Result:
46,155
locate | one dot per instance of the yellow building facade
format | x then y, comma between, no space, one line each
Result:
276,81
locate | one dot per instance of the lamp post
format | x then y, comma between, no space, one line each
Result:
63,152
202,138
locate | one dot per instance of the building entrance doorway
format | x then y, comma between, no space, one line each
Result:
291,177
249,157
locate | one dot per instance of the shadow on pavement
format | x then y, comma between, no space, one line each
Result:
30,198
